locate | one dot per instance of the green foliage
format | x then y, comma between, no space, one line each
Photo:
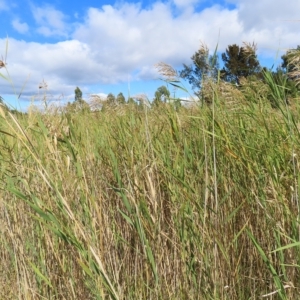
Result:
239,62
120,99
79,104
111,99
78,94
162,94
204,66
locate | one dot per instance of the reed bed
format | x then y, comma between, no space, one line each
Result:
160,203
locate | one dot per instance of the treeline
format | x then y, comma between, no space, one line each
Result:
162,95
240,65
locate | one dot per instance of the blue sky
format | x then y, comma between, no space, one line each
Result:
112,46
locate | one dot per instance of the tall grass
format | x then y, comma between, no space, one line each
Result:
195,203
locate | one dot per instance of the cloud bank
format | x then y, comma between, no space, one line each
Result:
113,42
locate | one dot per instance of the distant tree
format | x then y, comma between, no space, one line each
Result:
204,66
120,99
111,99
162,93
79,104
239,62
177,103
78,94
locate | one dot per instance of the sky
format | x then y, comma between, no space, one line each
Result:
112,46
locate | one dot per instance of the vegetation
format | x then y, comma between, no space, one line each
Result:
120,99
111,99
203,66
78,94
162,94
79,104
139,202
240,62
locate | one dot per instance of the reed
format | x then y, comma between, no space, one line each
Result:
153,203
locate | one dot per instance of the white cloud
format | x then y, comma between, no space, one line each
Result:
51,22
268,13
21,27
129,37
62,66
273,24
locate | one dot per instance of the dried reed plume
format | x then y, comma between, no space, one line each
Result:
2,64
203,50
249,49
167,71
293,58
201,59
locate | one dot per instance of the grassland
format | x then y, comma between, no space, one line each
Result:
161,203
